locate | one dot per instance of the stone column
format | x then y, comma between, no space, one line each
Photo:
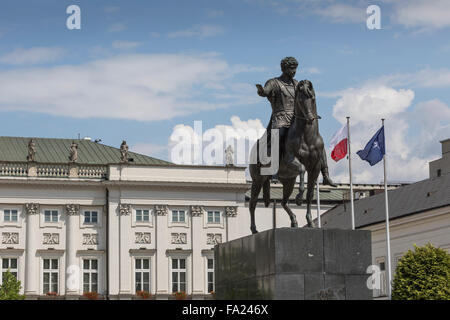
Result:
231,223
113,243
197,271
162,274
72,266
124,244
31,261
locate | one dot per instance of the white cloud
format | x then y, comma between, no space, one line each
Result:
311,70
117,27
125,45
425,78
342,13
143,87
32,56
203,31
412,134
426,14
366,103
420,15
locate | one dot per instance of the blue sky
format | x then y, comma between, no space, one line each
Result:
137,69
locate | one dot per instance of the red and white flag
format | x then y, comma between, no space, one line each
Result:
338,144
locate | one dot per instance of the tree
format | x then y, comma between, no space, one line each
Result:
423,274
10,288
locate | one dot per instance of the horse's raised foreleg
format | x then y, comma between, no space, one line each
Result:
301,187
256,189
288,187
312,178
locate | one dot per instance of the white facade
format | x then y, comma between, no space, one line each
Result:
432,226
75,234
70,222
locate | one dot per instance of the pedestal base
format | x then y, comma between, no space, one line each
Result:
295,264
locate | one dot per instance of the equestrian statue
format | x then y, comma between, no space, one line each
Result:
301,148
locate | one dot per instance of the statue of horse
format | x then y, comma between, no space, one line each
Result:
303,147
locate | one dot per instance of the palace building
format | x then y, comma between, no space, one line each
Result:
419,213
78,216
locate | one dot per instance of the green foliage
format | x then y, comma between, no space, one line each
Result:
423,274
9,290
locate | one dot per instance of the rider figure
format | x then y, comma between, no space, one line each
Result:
280,92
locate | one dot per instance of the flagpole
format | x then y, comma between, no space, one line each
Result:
350,173
318,205
388,241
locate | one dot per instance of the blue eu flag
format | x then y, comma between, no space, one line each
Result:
374,150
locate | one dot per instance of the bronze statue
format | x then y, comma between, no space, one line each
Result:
281,93
124,151
73,152
294,114
31,151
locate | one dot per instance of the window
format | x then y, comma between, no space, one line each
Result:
178,274
142,274
51,215
142,215
178,216
90,275
9,264
210,274
10,215
213,216
51,275
382,290
90,217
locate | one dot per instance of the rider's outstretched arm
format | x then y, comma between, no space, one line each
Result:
267,90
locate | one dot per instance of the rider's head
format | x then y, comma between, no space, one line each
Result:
289,66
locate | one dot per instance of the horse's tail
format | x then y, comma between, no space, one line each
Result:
266,193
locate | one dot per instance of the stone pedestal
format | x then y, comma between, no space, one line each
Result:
295,264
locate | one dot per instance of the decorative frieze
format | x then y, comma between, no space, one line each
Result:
142,237
231,211
213,238
197,211
51,238
13,169
32,208
10,238
179,238
161,210
72,209
90,238
124,209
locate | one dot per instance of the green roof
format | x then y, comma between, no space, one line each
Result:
276,193
48,150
